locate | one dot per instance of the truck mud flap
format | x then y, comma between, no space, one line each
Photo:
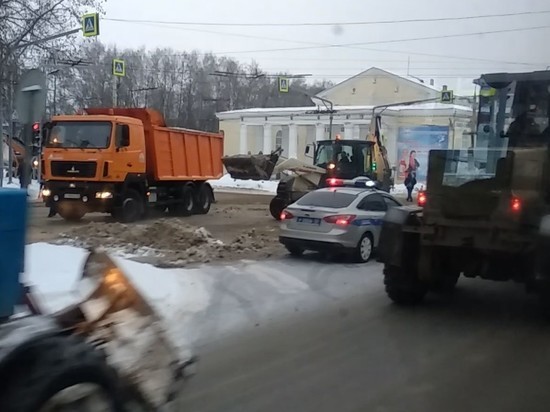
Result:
398,240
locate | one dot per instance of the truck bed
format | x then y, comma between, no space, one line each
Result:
183,154
174,154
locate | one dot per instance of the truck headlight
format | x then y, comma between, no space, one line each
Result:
46,192
103,195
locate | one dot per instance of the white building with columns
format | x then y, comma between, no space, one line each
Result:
293,128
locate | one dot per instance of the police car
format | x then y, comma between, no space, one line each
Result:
345,217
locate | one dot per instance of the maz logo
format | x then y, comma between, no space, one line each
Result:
73,170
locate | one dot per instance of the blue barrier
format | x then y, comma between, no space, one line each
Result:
13,225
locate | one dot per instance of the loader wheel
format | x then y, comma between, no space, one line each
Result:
63,373
403,286
131,209
276,207
203,200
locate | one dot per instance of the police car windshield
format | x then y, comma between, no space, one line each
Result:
332,199
84,135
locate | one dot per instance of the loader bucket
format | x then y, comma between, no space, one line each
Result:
134,338
251,167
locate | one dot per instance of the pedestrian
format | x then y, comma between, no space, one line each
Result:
410,182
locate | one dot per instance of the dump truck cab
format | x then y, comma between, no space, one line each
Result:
487,207
88,157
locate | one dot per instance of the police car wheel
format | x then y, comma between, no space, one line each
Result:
363,251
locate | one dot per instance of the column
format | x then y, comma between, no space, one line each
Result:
292,141
319,132
348,131
243,142
268,141
356,132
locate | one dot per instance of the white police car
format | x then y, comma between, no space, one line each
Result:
344,217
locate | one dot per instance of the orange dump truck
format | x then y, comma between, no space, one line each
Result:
126,161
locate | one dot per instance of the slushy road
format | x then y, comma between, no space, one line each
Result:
303,335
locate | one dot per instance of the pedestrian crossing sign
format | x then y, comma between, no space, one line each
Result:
119,67
90,25
447,96
283,85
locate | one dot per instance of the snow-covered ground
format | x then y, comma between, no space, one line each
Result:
402,190
34,187
203,304
227,182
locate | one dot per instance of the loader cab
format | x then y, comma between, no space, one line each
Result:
346,159
514,112
506,172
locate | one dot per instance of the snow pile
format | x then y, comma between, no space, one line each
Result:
402,190
227,182
53,272
168,242
33,190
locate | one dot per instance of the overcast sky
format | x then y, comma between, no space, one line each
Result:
529,50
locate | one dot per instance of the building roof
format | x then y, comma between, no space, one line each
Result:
382,72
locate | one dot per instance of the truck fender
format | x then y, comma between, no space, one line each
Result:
17,335
207,185
396,245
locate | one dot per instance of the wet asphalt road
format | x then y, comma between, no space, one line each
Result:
303,335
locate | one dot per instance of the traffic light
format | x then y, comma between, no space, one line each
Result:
373,166
36,135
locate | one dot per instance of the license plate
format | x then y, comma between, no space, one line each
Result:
71,196
310,220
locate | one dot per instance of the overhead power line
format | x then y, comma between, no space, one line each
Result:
315,45
343,23
445,36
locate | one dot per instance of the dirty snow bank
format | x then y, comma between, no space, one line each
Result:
168,242
53,272
227,182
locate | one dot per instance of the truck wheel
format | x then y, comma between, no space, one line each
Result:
186,204
276,207
71,213
62,373
131,208
203,200
403,286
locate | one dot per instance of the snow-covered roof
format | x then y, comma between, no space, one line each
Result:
439,108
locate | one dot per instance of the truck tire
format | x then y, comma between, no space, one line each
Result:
403,286
53,365
131,208
276,207
69,212
203,199
186,203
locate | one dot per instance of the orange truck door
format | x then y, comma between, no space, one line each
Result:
130,151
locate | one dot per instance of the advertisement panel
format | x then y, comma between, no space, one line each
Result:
413,146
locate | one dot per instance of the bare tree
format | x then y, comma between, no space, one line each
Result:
25,23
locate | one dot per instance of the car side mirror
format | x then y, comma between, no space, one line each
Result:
308,150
